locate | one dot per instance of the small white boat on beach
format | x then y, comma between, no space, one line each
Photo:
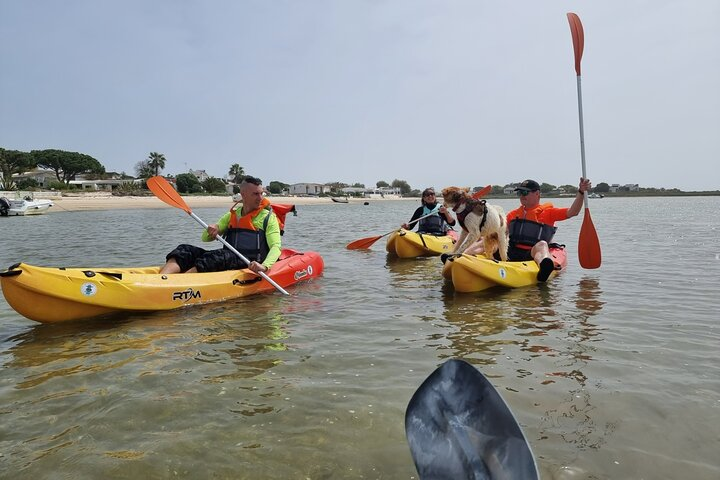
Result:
23,206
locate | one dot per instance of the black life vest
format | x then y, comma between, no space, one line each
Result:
434,224
252,243
528,233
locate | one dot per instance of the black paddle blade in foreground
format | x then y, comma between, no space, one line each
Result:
458,426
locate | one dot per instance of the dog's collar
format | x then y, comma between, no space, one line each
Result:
459,204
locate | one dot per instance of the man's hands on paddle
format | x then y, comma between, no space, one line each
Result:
585,185
212,230
255,267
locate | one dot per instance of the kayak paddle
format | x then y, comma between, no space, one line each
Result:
458,426
481,193
165,192
366,242
589,252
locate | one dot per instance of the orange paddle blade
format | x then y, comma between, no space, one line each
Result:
589,252
165,192
363,243
482,193
578,38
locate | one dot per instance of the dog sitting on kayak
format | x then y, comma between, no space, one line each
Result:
478,220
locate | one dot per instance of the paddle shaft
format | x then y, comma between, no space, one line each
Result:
418,219
582,137
242,257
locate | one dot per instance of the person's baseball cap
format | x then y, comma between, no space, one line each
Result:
528,186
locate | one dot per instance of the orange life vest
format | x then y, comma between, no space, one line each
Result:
246,220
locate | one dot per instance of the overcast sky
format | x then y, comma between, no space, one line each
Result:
436,93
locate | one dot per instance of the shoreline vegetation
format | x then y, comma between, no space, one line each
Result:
80,201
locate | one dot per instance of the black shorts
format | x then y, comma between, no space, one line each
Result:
221,259
516,254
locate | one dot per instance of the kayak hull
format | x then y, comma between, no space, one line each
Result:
473,273
51,295
407,244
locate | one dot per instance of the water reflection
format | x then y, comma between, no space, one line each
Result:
573,419
483,318
417,279
65,384
481,321
589,294
226,334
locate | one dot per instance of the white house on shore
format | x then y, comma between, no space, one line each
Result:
45,177
629,187
308,189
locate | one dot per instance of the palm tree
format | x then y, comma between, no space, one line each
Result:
236,172
156,161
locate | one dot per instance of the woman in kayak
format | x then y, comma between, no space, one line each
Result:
531,226
252,229
437,219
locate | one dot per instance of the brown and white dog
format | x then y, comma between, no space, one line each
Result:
478,220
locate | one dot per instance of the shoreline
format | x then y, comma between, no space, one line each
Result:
88,203
105,201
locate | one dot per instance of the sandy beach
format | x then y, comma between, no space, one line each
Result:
101,201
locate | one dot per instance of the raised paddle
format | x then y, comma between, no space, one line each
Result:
366,242
482,192
589,252
165,192
458,426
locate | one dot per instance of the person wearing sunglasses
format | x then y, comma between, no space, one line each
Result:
531,226
437,219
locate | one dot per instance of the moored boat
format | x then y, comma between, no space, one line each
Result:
408,244
473,273
49,295
340,199
24,206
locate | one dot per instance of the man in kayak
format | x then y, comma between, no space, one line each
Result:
252,229
531,226
437,219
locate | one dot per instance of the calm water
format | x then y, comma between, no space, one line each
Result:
613,373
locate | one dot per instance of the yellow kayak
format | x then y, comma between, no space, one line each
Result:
51,295
407,244
473,273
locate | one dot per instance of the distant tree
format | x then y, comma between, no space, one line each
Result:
602,187
27,184
143,169
66,164
497,190
12,162
546,187
156,161
214,185
236,173
402,185
188,183
277,187
336,186
382,184
358,185
568,188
